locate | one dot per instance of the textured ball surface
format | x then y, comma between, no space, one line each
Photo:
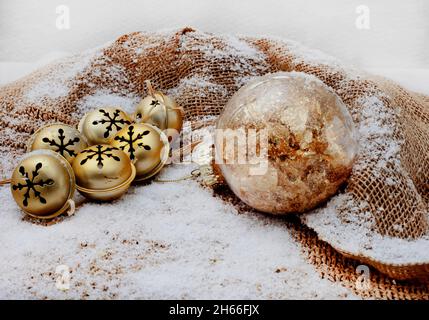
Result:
100,125
42,183
162,112
146,145
101,167
305,143
61,138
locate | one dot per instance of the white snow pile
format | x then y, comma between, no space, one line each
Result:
162,240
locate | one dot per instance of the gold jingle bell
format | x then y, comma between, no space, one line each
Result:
61,138
43,184
147,147
161,111
98,126
103,172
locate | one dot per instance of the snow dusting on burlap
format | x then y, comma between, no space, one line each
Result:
380,218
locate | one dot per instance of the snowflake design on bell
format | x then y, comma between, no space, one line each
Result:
155,103
101,152
129,141
32,184
115,122
62,147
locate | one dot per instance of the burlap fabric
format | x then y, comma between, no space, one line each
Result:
202,71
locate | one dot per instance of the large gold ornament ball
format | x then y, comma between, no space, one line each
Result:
42,184
103,172
298,143
100,125
146,145
163,112
61,138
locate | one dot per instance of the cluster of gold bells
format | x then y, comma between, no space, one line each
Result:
109,150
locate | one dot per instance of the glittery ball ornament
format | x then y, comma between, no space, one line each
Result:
285,142
61,138
103,172
43,184
146,145
100,125
161,111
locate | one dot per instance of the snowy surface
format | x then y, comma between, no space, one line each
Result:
156,243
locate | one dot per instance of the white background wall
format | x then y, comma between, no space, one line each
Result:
398,36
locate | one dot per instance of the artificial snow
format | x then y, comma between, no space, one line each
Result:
162,240
174,240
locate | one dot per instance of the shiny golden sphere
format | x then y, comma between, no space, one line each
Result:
100,125
42,184
285,142
161,111
61,138
103,172
147,147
